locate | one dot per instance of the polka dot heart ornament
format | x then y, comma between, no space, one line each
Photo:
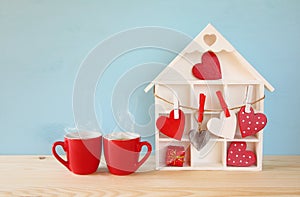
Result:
237,155
251,123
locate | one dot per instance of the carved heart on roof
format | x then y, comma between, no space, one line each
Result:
209,39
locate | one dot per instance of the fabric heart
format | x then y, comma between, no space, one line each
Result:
199,139
237,155
224,126
171,127
209,69
251,123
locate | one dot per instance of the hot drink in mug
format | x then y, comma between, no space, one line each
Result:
122,151
83,151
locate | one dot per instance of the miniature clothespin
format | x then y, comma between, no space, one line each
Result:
248,98
201,107
223,103
176,107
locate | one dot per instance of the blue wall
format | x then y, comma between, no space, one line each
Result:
42,44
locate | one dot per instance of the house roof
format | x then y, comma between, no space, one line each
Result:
209,39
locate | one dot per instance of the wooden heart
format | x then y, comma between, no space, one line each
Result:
251,123
199,139
209,39
224,126
237,155
171,127
209,68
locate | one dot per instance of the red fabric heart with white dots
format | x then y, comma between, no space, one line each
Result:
237,155
251,123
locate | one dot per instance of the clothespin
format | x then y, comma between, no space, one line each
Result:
223,103
201,107
176,107
248,98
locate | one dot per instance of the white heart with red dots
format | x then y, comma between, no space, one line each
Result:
237,155
251,123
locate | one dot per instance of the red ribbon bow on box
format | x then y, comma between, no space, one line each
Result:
175,157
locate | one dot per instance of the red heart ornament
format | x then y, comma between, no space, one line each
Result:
209,69
237,155
251,123
171,127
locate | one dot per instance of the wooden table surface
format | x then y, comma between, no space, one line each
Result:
44,176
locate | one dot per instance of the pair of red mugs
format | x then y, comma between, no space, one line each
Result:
83,152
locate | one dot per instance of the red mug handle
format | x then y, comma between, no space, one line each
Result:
141,144
61,160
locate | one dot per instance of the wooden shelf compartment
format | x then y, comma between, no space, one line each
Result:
162,150
167,92
211,101
209,156
215,159
251,146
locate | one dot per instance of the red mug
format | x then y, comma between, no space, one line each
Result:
83,151
122,150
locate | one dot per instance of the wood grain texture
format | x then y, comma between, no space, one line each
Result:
44,176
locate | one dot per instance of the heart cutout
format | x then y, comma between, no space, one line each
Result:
209,39
199,139
224,126
251,123
171,127
237,155
209,68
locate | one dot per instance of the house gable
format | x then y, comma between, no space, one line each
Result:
233,66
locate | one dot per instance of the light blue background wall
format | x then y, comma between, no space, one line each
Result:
42,44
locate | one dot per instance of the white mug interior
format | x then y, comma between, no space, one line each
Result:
121,136
83,135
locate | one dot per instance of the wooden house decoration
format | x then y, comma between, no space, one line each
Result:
212,84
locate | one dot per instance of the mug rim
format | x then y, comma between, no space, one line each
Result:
82,135
130,136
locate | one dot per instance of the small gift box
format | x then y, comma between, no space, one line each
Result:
175,156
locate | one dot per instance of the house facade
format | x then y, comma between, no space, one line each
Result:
222,69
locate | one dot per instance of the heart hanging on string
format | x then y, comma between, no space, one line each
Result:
170,126
251,123
199,138
223,126
209,68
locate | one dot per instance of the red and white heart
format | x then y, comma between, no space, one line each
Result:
224,126
237,155
171,127
251,123
209,68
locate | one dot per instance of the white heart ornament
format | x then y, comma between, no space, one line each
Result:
224,126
